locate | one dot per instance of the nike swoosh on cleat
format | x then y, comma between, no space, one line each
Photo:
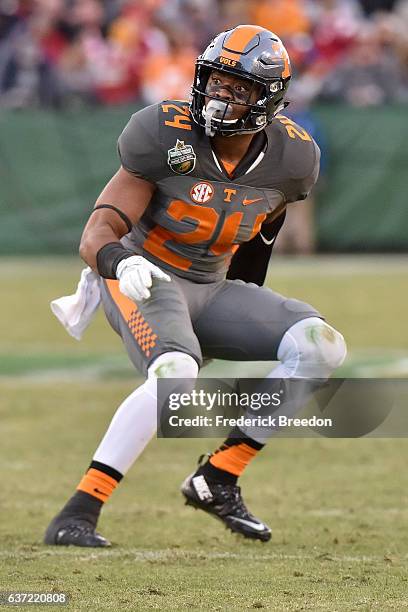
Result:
256,526
246,202
100,538
60,534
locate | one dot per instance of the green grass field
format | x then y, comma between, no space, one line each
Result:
338,508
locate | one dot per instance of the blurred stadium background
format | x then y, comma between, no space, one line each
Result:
71,73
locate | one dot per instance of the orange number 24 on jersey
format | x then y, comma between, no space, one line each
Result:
207,220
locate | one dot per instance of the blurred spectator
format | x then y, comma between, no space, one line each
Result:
200,20
370,75
169,73
284,17
130,37
233,13
336,24
373,6
87,59
65,52
393,34
27,75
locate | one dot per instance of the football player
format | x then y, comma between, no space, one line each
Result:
201,192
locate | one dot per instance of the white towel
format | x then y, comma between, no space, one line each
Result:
76,311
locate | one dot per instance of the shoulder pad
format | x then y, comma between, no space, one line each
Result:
299,148
300,158
139,146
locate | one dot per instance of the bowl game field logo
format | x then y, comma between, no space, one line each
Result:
202,192
181,158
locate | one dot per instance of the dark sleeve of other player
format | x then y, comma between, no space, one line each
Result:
250,262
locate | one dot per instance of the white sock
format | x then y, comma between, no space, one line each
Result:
131,428
135,421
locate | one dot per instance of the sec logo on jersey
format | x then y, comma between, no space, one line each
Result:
202,192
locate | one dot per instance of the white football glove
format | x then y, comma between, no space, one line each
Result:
135,276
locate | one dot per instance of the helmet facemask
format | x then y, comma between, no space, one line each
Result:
257,115
263,63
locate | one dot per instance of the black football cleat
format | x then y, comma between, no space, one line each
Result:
73,531
224,501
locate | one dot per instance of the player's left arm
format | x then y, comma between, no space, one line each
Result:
259,249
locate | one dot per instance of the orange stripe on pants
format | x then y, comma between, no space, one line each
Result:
139,327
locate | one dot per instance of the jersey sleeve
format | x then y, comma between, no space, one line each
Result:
139,146
304,165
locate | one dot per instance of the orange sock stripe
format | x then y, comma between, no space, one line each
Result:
233,459
98,484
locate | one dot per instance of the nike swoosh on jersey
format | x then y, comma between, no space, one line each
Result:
247,202
256,526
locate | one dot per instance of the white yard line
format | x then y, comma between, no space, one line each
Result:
138,555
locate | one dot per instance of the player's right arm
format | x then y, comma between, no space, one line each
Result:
120,206
129,196
124,200
130,189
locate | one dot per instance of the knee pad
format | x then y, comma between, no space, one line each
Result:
312,349
173,364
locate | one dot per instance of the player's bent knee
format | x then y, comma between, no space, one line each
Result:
313,348
331,346
174,364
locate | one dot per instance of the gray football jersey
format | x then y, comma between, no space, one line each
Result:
198,216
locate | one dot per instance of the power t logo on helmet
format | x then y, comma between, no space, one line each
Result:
258,57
